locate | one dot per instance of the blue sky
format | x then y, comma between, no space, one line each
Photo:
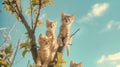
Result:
96,45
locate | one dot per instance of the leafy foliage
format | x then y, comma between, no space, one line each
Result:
60,61
8,6
28,12
39,24
26,47
5,56
44,2
30,65
3,63
8,49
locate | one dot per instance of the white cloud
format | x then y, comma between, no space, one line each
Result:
114,57
97,10
102,59
111,60
111,25
118,65
118,28
111,57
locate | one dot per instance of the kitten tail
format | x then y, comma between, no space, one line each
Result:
68,50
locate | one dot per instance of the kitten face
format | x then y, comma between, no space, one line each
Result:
51,25
73,64
67,19
44,40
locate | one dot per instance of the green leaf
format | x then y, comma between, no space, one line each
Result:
8,49
24,52
1,56
2,62
25,45
11,12
37,47
35,2
2,53
17,17
30,65
7,65
28,12
8,7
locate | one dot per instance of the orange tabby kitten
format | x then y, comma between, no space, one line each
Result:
51,33
64,37
50,28
44,51
73,64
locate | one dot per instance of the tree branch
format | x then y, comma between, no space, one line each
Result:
18,12
32,37
29,30
31,8
24,21
40,6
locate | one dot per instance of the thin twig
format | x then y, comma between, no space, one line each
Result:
31,8
8,35
15,53
28,63
3,43
75,32
18,12
40,6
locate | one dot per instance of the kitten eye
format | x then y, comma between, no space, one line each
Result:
53,25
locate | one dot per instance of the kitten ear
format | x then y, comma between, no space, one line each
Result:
80,64
40,36
71,63
68,50
63,14
72,17
47,22
55,23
